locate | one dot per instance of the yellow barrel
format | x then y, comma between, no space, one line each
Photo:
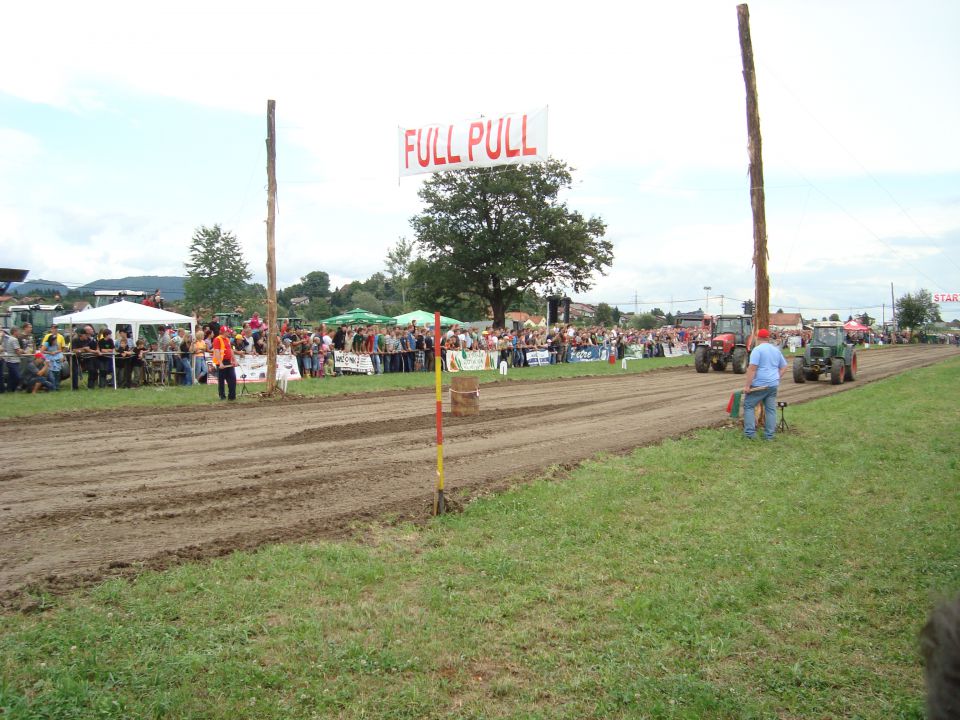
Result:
464,395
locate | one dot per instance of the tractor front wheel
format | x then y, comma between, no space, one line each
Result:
798,374
837,371
740,360
701,359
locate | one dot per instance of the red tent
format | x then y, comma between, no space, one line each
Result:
854,326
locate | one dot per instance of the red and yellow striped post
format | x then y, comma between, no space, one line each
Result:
439,506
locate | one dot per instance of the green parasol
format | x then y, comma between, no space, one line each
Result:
423,319
359,316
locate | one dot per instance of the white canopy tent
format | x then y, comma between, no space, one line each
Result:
126,313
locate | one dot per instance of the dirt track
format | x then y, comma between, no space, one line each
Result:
148,488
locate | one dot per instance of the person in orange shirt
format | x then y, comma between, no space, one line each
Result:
223,359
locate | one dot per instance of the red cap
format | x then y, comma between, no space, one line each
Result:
763,333
38,354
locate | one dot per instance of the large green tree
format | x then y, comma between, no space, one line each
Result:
217,274
314,285
914,310
397,264
495,233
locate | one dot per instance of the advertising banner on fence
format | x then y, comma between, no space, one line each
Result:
469,360
538,357
253,368
352,362
587,353
481,142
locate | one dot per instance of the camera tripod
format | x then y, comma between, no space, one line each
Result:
243,384
782,426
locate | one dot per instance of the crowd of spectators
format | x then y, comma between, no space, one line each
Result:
177,357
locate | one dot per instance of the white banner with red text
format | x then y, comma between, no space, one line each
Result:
508,139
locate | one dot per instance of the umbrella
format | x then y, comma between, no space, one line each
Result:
423,318
358,316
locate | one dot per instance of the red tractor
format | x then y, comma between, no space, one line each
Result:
730,342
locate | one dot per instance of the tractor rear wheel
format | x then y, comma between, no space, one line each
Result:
837,371
852,367
701,358
740,360
798,374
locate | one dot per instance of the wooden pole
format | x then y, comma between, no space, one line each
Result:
439,503
271,249
757,201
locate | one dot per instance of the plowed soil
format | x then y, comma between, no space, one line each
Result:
147,488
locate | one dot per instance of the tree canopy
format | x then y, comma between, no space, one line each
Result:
314,285
495,233
217,274
917,309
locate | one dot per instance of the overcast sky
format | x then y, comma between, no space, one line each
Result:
124,126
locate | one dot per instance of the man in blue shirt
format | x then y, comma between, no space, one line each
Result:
766,368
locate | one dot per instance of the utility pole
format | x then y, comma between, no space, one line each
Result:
706,306
893,309
757,199
271,248
721,304
636,304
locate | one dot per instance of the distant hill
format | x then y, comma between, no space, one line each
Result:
39,287
170,287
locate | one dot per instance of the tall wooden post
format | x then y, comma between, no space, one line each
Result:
271,249
757,202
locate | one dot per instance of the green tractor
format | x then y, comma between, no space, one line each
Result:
827,352
730,342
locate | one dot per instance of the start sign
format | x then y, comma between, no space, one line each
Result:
946,297
483,142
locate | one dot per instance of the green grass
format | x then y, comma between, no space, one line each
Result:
706,577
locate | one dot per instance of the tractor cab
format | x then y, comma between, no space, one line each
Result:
732,330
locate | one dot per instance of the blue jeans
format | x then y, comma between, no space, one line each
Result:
769,399
186,368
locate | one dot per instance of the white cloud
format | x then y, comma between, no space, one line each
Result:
646,101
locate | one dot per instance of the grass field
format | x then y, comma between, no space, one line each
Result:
701,578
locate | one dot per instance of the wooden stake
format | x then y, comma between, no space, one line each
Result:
757,201
271,249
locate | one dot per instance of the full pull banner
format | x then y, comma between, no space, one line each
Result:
483,142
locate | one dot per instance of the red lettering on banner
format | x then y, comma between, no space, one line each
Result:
490,153
506,142
424,161
526,150
436,158
450,156
474,140
407,145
